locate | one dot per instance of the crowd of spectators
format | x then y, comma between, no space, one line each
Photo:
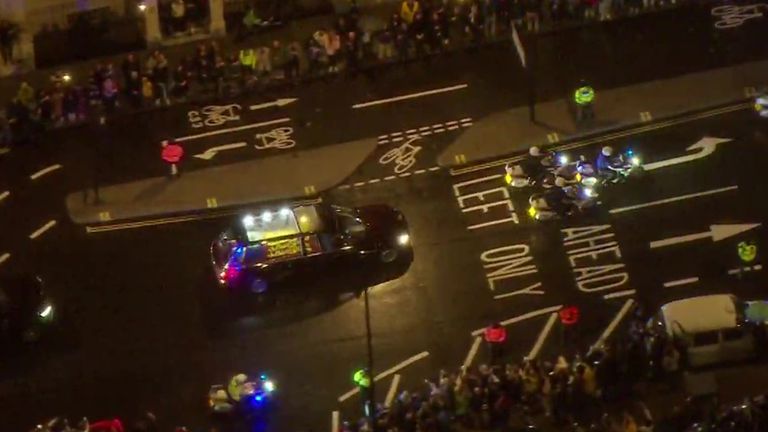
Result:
599,392
418,28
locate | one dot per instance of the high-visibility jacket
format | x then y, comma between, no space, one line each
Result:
362,379
248,57
495,334
584,95
408,12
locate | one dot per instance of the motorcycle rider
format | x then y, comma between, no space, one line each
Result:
237,386
558,199
534,166
607,166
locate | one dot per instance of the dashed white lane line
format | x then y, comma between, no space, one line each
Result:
434,168
40,231
673,199
424,131
358,184
387,178
345,187
420,171
335,421
619,294
523,317
746,269
614,323
392,390
44,171
4,195
4,257
394,369
679,282
410,96
372,181
542,336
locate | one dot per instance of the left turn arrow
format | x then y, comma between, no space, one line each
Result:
213,151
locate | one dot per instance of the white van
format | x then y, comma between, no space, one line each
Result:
712,328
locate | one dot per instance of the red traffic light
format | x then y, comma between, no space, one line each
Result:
569,315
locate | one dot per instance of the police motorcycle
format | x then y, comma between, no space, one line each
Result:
562,201
244,396
617,169
761,105
536,170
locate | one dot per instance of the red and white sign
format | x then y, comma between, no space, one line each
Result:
172,152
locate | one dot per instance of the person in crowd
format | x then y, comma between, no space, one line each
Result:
179,16
70,104
160,77
408,10
264,62
180,82
147,91
279,58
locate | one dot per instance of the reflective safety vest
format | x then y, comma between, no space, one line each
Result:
248,57
584,95
408,13
362,379
495,334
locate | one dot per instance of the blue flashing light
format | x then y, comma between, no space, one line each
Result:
630,152
263,377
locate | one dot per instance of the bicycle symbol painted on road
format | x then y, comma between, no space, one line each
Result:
404,156
732,16
279,138
214,115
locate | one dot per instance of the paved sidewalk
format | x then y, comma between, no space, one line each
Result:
614,109
283,177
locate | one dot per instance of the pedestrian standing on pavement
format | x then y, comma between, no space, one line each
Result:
70,104
109,93
160,77
45,109
147,91
491,13
132,79
532,15
408,10
26,95
57,102
180,82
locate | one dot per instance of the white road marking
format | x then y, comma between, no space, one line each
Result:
673,199
358,184
392,390
451,123
386,373
530,290
213,151
44,171
704,147
38,232
619,294
232,129
372,181
345,187
335,421
434,168
757,267
614,323
4,195
542,336
679,282
277,103
410,96
716,233
472,353
405,174
4,257
421,131
390,178
420,171
522,317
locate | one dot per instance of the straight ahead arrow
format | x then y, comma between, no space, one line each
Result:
213,151
704,147
716,233
277,103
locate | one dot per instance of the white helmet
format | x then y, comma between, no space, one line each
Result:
241,378
534,151
560,182
607,151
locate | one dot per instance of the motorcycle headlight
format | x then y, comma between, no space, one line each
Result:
269,386
563,159
403,239
45,312
589,192
635,161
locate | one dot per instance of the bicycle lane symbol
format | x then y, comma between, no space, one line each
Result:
214,115
732,16
279,138
403,157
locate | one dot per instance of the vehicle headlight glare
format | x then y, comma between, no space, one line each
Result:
46,311
589,192
269,386
248,220
563,159
403,239
267,216
635,161
285,212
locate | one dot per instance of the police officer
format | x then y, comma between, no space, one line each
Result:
583,97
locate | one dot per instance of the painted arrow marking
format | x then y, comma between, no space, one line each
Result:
213,151
703,147
716,233
277,103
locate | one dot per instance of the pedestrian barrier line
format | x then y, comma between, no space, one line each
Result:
45,171
92,229
410,96
335,421
40,231
398,367
4,257
232,129
679,282
542,336
392,391
609,136
522,317
4,195
613,324
673,199
746,269
619,294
